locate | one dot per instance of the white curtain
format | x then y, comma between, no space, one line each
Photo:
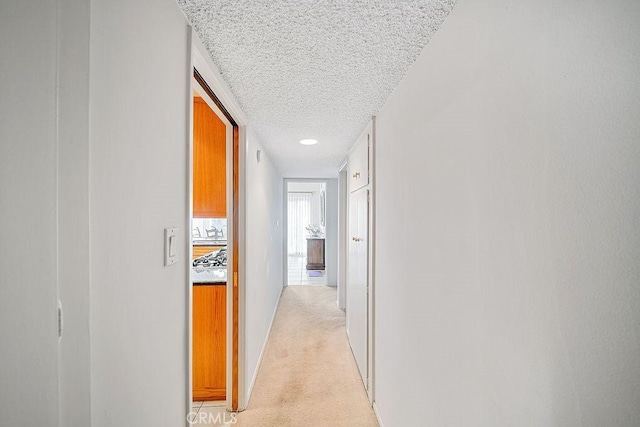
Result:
299,216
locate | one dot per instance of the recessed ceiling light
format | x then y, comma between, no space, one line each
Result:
308,141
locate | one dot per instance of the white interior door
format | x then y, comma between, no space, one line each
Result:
357,295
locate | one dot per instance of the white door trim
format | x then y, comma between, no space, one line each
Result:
372,260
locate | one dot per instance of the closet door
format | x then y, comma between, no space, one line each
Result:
357,280
359,163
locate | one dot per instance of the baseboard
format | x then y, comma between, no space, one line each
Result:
264,346
375,411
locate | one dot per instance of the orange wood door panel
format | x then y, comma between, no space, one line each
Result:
209,343
209,162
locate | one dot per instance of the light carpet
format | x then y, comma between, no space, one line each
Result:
308,376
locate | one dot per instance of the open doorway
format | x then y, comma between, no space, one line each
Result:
306,233
212,134
213,287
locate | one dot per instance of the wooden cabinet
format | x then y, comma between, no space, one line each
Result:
359,162
199,251
315,254
209,300
209,162
209,342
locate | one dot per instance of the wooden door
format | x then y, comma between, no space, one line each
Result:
209,342
357,279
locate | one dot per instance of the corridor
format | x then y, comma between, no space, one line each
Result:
308,376
481,162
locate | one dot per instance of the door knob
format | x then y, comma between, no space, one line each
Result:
356,175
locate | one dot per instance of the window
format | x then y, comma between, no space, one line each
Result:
299,217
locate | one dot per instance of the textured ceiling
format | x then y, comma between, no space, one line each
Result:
313,68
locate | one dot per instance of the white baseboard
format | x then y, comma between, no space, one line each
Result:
375,411
264,346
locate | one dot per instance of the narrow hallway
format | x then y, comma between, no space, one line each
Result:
308,376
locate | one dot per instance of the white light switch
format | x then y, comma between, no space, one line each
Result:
170,246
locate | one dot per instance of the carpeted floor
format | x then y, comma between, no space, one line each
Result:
308,376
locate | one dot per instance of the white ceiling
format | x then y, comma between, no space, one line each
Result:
313,68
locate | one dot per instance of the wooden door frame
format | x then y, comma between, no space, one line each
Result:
204,73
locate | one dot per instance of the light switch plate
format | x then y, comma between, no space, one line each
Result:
170,246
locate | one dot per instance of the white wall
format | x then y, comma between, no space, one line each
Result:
264,281
139,139
73,211
314,188
116,162
331,255
508,194
28,196
342,239
305,186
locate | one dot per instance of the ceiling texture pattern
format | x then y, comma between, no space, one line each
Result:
313,68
